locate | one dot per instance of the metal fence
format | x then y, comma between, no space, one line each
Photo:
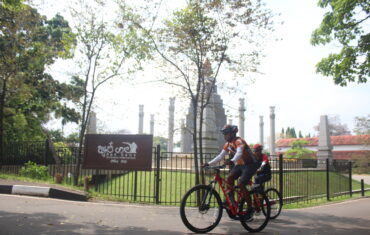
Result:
173,174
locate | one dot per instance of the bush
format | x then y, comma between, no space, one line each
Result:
298,150
34,171
361,164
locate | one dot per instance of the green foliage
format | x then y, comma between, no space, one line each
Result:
345,23
29,42
298,150
163,142
361,164
34,171
290,133
362,125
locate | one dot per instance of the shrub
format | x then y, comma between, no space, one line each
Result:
298,150
361,164
34,171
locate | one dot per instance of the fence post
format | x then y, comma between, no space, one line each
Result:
135,186
281,175
46,153
350,178
362,187
157,174
327,180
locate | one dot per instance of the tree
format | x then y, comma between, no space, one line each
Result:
198,40
28,95
104,48
163,142
362,125
336,128
346,23
290,133
298,150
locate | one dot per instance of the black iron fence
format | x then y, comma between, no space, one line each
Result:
173,174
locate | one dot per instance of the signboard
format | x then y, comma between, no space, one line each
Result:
118,152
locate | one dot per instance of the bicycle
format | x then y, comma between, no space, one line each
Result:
204,202
275,200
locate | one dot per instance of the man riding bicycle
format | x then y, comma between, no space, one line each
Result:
245,164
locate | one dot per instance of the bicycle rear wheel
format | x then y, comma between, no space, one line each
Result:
201,209
261,215
276,202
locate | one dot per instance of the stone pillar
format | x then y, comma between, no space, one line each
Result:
324,147
209,129
171,124
91,126
183,136
230,121
272,131
152,124
261,130
241,118
141,119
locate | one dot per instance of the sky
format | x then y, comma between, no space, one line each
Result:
289,83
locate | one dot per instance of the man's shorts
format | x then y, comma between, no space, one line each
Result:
245,172
261,178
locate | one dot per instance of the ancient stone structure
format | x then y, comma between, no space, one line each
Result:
272,131
214,120
91,126
152,124
324,147
171,124
261,130
141,119
241,118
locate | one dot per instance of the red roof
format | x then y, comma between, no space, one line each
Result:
335,140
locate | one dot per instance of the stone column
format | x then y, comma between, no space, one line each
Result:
241,118
324,147
272,131
261,130
183,136
141,119
209,130
171,124
91,126
230,121
152,124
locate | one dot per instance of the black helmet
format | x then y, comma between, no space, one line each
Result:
229,129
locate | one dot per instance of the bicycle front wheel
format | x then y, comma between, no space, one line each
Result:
201,209
261,216
276,202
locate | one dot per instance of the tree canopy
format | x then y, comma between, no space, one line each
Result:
29,42
362,125
346,23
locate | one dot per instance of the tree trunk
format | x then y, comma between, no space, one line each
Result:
195,144
2,105
201,142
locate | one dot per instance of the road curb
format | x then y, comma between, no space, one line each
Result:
42,191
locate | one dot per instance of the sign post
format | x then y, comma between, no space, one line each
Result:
118,152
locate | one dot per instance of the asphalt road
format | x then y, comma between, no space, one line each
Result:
34,215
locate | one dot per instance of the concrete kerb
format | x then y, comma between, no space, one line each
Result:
41,191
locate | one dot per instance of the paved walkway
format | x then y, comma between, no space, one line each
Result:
366,178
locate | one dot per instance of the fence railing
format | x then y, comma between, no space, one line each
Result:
173,174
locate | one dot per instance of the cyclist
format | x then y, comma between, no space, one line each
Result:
264,168
245,164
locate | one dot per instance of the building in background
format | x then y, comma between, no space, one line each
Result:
344,147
